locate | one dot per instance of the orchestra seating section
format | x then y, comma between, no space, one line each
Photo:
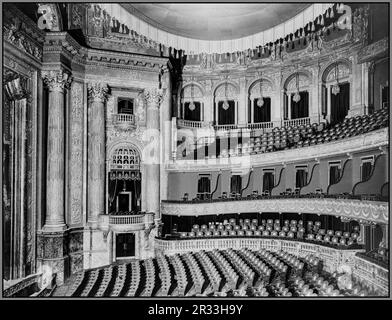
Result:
244,272
312,231
302,136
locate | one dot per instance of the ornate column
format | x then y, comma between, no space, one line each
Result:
97,93
151,154
57,81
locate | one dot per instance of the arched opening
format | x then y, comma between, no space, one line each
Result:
124,178
296,97
336,92
226,104
259,106
192,106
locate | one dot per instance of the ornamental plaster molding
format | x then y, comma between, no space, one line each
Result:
353,209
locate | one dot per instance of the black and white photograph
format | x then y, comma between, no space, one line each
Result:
183,151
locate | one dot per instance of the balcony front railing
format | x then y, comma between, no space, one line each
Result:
126,219
190,124
261,125
124,118
225,127
296,122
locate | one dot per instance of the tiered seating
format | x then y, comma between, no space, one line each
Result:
308,135
329,236
230,275
134,272
180,276
79,283
196,275
92,278
218,273
213,275
164,275
120,279
107,276
150,278
269,228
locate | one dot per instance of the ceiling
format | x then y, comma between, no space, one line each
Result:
215,21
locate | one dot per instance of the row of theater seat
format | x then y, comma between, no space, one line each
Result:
213,273
270,228
302,136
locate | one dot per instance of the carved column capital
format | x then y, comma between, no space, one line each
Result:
57,80
98,91
153,97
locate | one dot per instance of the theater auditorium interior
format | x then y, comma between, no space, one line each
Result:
195,150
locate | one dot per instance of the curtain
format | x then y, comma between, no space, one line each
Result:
204,185
236,184
366,170
262,114
334,174
300,109
268,181
340,103
125,106
226,116
194,115
300,178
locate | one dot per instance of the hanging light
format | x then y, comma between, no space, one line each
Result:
260,101
192,105
225,105
336,88
297,96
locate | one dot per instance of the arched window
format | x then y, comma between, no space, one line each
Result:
125,159
192,106
226,104
125,106
336,92
296,97
260,101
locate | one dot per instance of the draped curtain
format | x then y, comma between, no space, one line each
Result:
300,178
236,184
226,116
192,115
262,114
340,103
268,181
125,106
300,109
334,174
204,185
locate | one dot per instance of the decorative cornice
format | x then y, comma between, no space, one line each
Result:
153,97
57,80
372,50
98,91
354,209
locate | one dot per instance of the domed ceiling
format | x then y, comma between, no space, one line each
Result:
215,21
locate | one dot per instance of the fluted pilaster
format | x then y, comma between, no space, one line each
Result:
153,98
97,94
57,81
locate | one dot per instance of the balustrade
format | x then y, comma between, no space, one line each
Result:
124,118
296,122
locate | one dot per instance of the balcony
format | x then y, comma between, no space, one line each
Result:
296,122
190,124
375,211
123,119
126,222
